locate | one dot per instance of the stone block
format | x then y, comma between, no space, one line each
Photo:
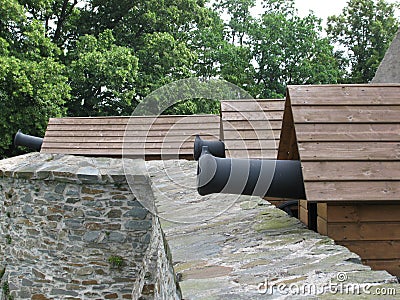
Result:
136,213
138,225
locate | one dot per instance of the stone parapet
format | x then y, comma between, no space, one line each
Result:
229,247
72,229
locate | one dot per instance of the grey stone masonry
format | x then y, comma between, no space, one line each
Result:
389,69
70,228
230,247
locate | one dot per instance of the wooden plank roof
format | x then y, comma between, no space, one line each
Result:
251,128
347,138
164,136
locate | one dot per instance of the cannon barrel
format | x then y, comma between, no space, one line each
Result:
269,178
29,141
216,148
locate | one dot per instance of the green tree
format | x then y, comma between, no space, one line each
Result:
159,33
102,77
289,49
60,18
276,49
162,59
33,85
240,18
364,29
207,41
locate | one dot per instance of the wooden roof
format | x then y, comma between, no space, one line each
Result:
153,137
347,138
251,128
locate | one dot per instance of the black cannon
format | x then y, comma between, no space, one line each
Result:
29,141
265,178
216,148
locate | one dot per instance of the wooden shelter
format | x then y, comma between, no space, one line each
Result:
161,137
348,140
251,128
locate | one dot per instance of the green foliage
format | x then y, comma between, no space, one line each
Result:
8,239
276,49
102,77
365,29
6,289
33,86
157,31
162,59
95,58
290,50
30,93
116,261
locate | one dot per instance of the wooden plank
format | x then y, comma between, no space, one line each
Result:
340,151
252,134
353,191
345,94
133,128
247,128
303,203
207,133
391,266
364,231
252,105
118,152
251,144
346,114
253,116
348,132
126,145
351,171
322,210
288,148
120,139
322,226
363,213
163,119
303,215
252,125
374,249
249,153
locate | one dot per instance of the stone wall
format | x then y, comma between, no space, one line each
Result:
70,228
389,69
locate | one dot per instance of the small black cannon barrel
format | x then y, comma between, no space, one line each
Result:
269,178
216,148
29,141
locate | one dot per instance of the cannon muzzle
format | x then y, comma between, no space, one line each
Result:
29,141
216,148
269,178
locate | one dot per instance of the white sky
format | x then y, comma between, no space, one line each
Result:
323,9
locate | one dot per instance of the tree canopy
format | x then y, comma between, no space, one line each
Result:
96,58
364,29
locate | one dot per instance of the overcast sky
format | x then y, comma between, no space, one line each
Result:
323,9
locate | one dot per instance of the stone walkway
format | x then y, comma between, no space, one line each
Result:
229,247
